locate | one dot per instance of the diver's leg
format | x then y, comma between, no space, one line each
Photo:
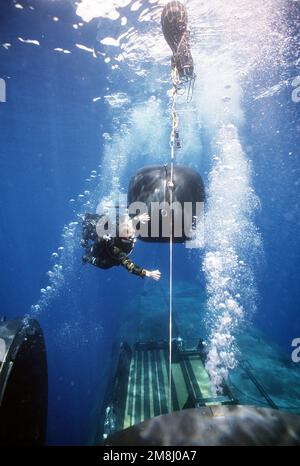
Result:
89,228
88,256
93,256
87,259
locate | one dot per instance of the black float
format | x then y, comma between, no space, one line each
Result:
151,185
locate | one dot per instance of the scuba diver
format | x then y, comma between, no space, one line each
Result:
174,23
107,251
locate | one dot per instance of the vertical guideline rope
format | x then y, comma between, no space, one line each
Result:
173,137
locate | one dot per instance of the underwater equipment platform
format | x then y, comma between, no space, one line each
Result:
141,384
136,409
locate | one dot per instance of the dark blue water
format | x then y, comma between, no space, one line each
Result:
51,140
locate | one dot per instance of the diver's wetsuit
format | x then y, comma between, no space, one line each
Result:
107,252
114,251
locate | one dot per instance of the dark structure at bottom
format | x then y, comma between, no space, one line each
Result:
137,412
23,383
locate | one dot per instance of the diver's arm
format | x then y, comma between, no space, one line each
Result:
132,267
128,263
143,218
135,269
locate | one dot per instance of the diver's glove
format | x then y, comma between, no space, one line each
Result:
154,274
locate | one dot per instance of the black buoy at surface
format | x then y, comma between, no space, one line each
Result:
151,186
23,384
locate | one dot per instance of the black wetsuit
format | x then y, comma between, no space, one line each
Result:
107,253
